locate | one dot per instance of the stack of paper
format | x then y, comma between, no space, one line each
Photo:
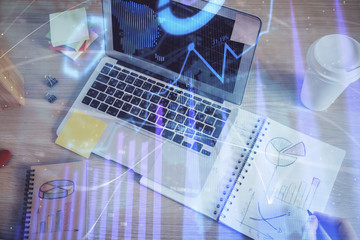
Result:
69,32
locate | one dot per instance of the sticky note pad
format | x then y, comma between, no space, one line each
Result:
81,133
69,27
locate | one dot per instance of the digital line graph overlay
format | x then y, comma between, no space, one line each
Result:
267,219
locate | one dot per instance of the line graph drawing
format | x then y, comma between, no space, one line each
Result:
267,219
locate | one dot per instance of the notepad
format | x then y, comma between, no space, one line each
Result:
81,133
69,27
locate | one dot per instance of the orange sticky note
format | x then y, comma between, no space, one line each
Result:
81,133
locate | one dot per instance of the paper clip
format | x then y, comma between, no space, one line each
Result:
50,97
51,81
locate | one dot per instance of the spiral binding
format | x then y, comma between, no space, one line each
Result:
241,168
28,193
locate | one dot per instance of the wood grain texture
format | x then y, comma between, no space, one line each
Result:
124,208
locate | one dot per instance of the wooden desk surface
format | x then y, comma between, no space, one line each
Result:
132,210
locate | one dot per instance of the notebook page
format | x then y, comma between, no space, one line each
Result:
59,201
216,189
287,174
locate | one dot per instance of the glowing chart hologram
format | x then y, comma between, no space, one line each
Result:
262,218
144,31
282,153
56,189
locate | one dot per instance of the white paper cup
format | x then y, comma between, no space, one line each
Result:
332,65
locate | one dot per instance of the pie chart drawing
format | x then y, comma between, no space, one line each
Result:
282,153
56,189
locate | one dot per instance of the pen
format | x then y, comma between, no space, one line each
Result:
323,234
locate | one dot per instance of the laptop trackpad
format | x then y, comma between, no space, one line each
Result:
180,169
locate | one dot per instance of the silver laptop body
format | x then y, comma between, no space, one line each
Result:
179,166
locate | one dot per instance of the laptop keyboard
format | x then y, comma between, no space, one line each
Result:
175,115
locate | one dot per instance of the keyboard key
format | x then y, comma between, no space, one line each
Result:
103,107
127,97
135,110
101,97
200,117
221,115
173,106
144,114
171,115
167,134
172,96
197,146
180,118
110,100
178,138
190,103
218,128
209,110
117,68
182,109
138,82
126,107
112,111
152,118
108,64
129,89
219,123
118,94
197,98
198,126
102,78
118,103
142,77
121,85
189,132
205,152
208,130
200,107
171,125
152,108
191,113
146,86
205,139
135,100
209,120
226,110
155,98
86,100
121,76
152,81
155,89
164,102
161,121
206,102
182,99
160,84
134,74
140,122
138,92
92,93
216,105
180,129
144,104
130,79
105,70
113,73
126,71
99,86
110,90
164,92
161,111
186,144
146,95
189,122
113,82
94,103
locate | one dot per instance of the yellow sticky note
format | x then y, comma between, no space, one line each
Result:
81,133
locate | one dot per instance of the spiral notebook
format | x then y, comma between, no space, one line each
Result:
55,201
266,179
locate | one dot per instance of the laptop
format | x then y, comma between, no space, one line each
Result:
169,86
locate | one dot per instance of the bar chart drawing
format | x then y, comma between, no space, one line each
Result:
299,195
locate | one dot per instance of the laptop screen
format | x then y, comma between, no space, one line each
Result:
198,55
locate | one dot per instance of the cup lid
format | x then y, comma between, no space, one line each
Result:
337,56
